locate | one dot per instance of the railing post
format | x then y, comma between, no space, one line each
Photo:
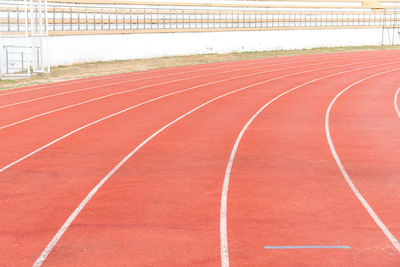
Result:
22,60
7,71
383,26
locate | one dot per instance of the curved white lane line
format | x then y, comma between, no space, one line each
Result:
157,84
369,209
225,187
396,101
76,212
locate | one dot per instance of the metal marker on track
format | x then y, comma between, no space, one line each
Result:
306,247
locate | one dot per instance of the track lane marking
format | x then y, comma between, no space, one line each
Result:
396,106
342,169
39,261
224,195
157,84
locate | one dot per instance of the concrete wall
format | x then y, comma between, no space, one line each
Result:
64,50
88,48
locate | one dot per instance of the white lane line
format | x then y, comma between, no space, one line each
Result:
225,187
396,101
76,212
157,84
146,102
364,202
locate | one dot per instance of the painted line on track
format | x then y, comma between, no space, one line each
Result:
39,261
162,83
225,187
306,247
363,201
396,101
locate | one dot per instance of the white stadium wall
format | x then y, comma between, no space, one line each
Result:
71,49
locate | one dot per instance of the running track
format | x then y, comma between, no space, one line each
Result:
211,165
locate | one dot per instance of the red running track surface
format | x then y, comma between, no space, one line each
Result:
176,129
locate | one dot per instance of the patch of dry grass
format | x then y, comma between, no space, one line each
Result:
62,73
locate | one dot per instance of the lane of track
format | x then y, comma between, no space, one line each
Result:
224,194
286,191
75,165
366,146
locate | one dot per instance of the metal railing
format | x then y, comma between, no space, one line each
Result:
23,36
64,19
19,58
